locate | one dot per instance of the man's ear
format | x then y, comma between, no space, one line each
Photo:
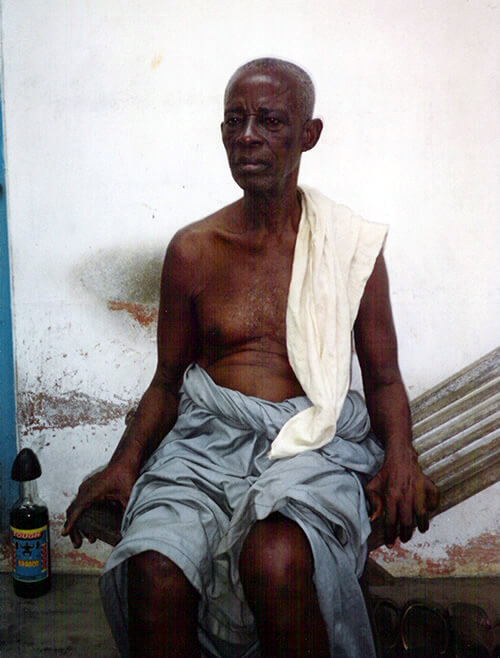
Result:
311,133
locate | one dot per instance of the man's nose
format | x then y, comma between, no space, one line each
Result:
250,130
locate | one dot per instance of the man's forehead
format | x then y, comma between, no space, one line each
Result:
267,85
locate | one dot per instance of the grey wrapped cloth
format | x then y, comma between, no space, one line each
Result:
211,479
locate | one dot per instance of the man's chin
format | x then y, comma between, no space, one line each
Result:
254,182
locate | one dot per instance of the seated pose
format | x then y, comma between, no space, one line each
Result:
249,467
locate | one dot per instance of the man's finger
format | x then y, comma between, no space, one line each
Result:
390,528
68,524
376,504
422,522
405,521
421,511
70,520
72,513
76,538
405,533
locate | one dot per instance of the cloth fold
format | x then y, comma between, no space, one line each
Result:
210,479
334,256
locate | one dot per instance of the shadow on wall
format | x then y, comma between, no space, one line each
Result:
125,279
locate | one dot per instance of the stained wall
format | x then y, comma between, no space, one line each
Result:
112,113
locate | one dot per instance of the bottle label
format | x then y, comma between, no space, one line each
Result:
30,554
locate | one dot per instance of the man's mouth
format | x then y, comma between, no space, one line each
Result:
251,164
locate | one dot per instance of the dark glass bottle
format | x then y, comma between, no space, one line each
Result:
29,527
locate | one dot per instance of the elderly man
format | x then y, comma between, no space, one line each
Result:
245,468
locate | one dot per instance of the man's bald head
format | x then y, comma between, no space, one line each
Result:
303,83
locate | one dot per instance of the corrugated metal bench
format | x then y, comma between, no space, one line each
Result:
456,430
456,433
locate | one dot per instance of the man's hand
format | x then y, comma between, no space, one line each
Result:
402,494
113,483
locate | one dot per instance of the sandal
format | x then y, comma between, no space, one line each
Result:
385,615
424,629
472,631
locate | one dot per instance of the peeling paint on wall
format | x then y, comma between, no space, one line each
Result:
43,411
144,315
469,559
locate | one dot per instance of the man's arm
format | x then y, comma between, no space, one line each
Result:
157,410
176,344
400,490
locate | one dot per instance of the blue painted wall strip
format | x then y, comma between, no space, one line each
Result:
8,490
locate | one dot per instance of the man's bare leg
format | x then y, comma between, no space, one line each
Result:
162,610
276,569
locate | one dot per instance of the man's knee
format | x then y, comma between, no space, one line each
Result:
162,607
154,577
276,556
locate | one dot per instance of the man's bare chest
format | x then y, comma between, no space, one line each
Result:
245,299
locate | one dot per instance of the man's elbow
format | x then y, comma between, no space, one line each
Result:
381,378
167,379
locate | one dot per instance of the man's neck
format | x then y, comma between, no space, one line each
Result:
272,211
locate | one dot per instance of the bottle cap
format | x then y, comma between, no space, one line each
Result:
26,466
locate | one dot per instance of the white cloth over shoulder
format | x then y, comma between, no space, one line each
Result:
334,256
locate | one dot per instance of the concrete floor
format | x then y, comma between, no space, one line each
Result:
69,621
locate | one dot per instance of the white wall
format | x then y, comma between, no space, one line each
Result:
112,113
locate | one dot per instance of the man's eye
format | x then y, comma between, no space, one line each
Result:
232,122
272,122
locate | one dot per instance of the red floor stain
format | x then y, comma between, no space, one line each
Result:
144,315
79,559
396,553
483,549
477,554
56,524
436,568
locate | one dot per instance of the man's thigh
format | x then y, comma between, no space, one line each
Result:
182,524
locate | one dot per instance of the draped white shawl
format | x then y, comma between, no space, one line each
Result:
334,256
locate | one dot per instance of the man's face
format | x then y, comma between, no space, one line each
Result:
262,130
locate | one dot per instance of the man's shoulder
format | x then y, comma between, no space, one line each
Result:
203,229
195,241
